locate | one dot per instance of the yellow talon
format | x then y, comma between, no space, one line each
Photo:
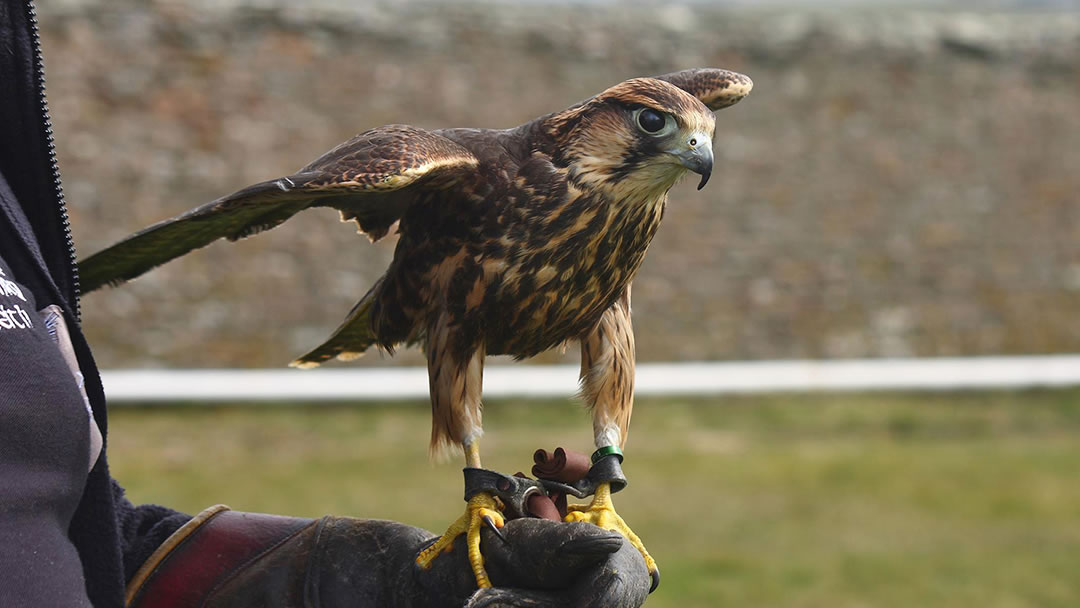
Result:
479,508
602,513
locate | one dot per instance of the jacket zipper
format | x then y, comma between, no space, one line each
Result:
39,73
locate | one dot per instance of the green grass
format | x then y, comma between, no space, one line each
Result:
839,501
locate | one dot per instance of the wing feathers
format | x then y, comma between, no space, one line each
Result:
715,88
232,217
371,179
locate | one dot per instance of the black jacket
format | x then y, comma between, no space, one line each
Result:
112,537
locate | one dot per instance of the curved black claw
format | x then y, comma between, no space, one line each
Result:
655,576
490,523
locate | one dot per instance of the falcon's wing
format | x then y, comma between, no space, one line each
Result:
715,88
371,179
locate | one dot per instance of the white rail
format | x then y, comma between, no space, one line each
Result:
531,381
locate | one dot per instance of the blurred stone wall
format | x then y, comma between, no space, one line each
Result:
899,183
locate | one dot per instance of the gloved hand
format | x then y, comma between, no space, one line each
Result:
242,560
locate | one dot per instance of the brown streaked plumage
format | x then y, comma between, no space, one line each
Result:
511,241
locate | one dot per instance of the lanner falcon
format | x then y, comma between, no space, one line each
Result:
511,242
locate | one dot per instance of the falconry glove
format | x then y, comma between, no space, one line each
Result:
246,560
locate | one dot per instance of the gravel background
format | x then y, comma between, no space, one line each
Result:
899,183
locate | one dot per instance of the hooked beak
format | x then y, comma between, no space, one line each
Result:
698,157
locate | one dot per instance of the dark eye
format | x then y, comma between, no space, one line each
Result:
650,121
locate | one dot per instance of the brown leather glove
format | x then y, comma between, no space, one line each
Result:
242,560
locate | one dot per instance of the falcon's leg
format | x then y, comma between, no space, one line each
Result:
480,510
607,385
456,418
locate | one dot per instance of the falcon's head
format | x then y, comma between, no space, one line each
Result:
636,139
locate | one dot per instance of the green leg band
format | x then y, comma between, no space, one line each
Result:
604,451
